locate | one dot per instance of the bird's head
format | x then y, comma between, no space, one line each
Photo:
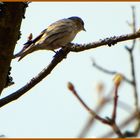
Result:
79,22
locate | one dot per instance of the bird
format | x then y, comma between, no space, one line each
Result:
56,35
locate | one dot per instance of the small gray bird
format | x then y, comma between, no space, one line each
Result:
57,35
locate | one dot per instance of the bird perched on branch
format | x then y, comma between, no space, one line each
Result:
57,35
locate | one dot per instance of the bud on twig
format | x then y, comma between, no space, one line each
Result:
118,79
30,37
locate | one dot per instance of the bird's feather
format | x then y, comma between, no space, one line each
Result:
55,36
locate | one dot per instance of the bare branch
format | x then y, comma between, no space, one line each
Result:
124,123
107,41
115,104
133,25
130,51
111,122
59,58
110,72
93,113
103,103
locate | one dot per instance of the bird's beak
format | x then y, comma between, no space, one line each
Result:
84,29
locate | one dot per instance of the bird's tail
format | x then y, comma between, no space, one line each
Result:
25,52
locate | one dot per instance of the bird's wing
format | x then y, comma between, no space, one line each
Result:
56,31
28,43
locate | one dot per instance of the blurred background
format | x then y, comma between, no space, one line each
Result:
49,109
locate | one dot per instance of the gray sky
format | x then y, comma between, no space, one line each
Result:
49,109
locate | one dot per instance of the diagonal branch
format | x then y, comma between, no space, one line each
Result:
59,57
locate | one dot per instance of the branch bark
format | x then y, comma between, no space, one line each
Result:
34,81
107,41
58,58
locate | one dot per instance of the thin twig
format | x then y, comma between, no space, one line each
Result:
117,130
134,25
107,121
131,50
132,63
90,121
124,123
137,127
114,112
93,113
110,72
134,80
115,103
134,84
